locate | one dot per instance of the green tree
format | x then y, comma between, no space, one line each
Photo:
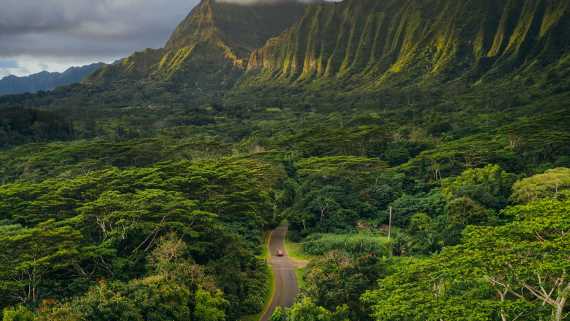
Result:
514,271
18,313
339,279
131,223
464,211
178,290
334,193
34,262
489,186
209,307
528,258
421,236
552,183
403,208
306,310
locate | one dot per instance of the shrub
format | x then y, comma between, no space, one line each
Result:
319,244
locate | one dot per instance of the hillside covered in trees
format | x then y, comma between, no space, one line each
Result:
419,151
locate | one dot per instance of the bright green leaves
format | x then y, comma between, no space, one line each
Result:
338,278
357,244
527,258
117,215
515,270
178,290
131,223
18,313
490,186
553,183
32,260
306,310
105,224
209,307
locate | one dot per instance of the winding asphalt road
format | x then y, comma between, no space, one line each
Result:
285,281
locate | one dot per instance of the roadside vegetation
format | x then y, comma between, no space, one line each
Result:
120,210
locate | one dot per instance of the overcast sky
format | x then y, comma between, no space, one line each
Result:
53,35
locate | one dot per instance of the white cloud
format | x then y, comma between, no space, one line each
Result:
26,65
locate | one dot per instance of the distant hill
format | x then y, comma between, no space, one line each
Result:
45,80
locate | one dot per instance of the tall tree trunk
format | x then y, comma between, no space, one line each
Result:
559,309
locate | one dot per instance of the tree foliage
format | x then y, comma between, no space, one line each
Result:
517,270
552,183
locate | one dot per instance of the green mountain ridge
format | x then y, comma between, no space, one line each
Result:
375,43
357,43
210,48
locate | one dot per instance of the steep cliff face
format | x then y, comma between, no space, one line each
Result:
395,41
240,29
353,43
211,46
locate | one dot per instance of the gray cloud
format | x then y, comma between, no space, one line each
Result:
56,31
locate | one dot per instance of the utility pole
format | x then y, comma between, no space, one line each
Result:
390,245
390,224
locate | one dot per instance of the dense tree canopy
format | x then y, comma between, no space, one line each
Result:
517,270
422,201
104,225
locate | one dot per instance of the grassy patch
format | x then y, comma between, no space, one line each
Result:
296,251
300,273
319,244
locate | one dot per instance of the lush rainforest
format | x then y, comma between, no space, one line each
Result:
419,151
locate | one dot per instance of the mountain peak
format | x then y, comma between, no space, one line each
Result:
242,26
216,36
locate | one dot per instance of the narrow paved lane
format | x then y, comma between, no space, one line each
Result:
285,283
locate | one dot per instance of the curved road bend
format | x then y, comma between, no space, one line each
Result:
285,280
